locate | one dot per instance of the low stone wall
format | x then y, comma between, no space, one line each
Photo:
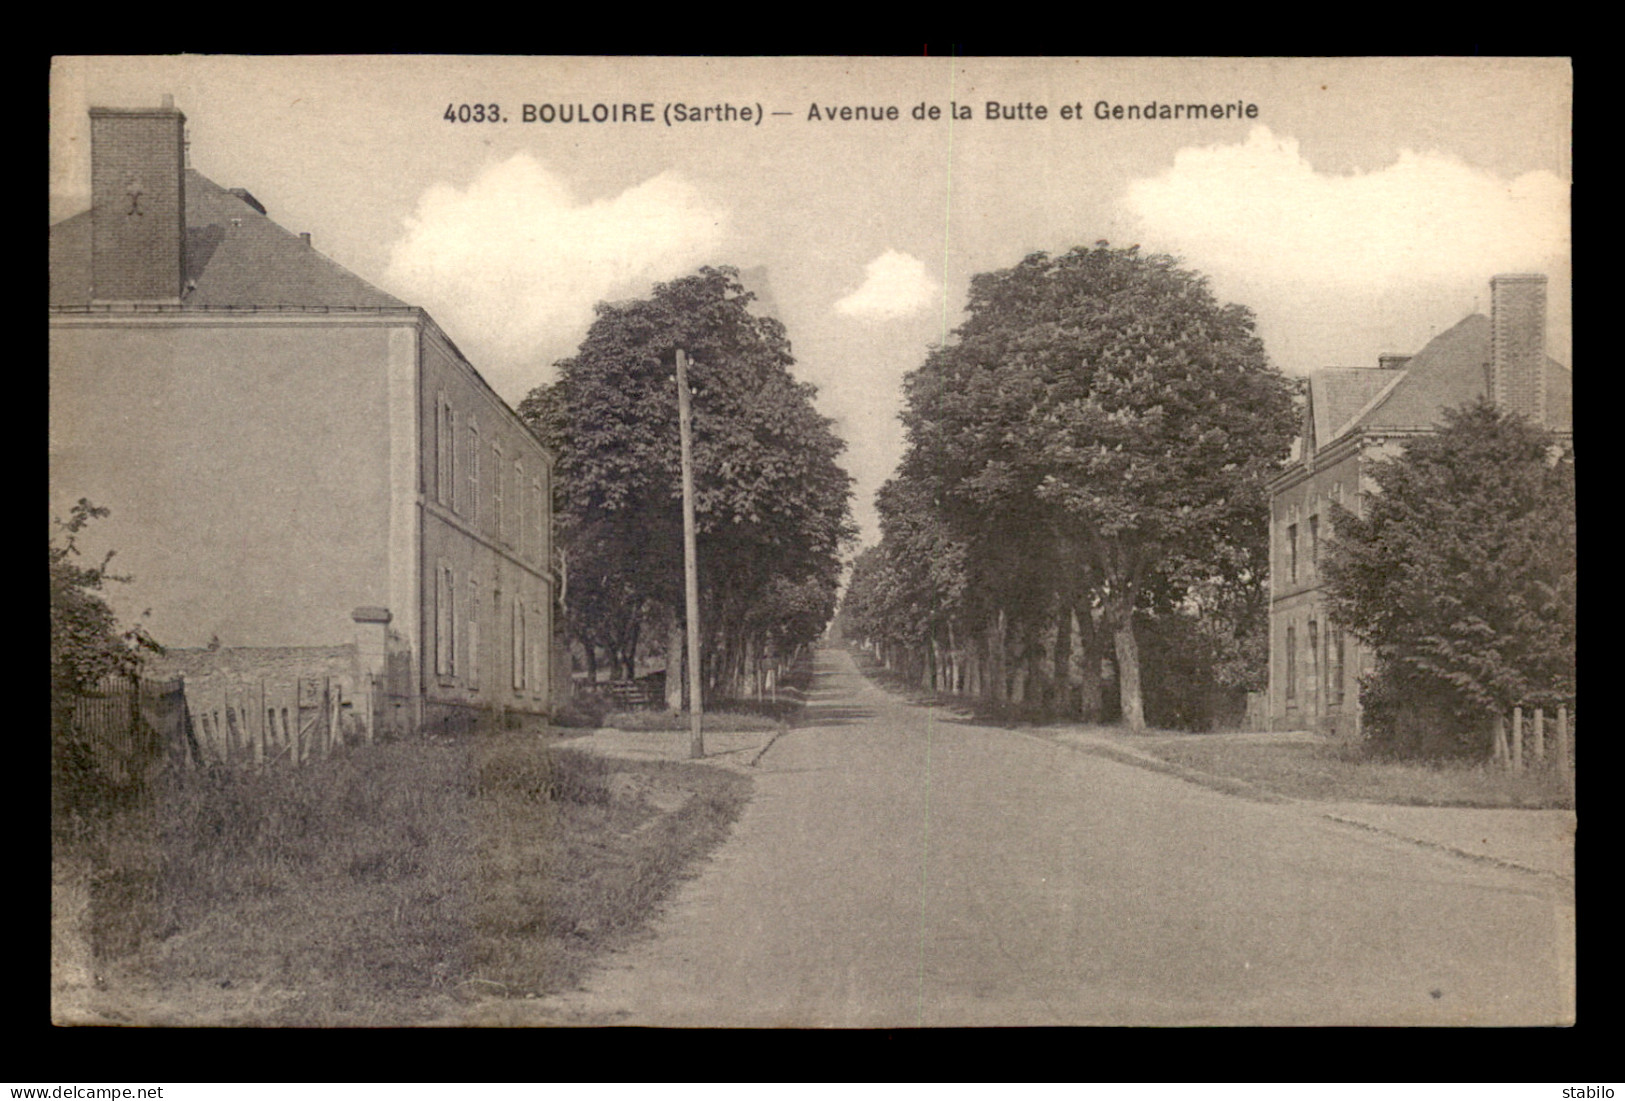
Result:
253,662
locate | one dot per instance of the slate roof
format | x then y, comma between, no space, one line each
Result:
235,256
1451,370
1337,394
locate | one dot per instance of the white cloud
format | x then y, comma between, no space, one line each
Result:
513,264
1341,267
895,285
1260,207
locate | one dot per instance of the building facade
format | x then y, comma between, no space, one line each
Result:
1353,416
292,456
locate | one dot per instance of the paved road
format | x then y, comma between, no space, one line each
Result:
898,868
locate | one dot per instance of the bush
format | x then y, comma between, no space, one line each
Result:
1417,716
581,714
87,644
559,775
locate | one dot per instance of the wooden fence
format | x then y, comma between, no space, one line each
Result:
270,721
1530,733
128,724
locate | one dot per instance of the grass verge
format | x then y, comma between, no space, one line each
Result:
1272,769
1340,772
382,887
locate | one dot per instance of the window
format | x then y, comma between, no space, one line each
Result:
1291,663
518,644
472,509
1314,540
1314,659
445,655
534,638
1292,551
518,503
496,486
446,451
538,518
472,658
1334,662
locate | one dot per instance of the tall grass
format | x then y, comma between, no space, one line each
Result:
387,883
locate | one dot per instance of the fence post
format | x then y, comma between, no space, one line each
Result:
296,730
259,727
133,754
330,716
1499,750
217,714
1539,744
1517,739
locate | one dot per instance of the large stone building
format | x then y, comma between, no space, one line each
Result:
292,457
1353,415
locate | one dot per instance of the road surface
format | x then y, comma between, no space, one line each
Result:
898,867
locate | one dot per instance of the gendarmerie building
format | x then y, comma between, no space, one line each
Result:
1354,415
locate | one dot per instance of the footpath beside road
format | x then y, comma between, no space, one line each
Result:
1536,841
899,866
723,748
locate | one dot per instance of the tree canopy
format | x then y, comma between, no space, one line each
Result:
772,503
1460,574
1100,420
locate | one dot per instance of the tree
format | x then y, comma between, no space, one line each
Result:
87,644
1102,409
1460,574
772,503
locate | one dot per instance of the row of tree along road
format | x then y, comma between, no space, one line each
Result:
773,507
1086,465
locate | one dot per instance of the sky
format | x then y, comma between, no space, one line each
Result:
1360,207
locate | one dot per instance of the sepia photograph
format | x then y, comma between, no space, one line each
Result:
811,542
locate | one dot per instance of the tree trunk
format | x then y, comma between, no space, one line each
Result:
674,665
632,652
1000,683
1128,671
1062,663
1090,700
1039,688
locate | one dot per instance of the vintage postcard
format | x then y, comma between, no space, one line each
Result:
811,542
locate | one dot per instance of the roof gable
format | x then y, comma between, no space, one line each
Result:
1338,394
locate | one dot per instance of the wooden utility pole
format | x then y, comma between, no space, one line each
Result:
691,567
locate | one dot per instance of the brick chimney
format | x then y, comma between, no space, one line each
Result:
1518,344
138,203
